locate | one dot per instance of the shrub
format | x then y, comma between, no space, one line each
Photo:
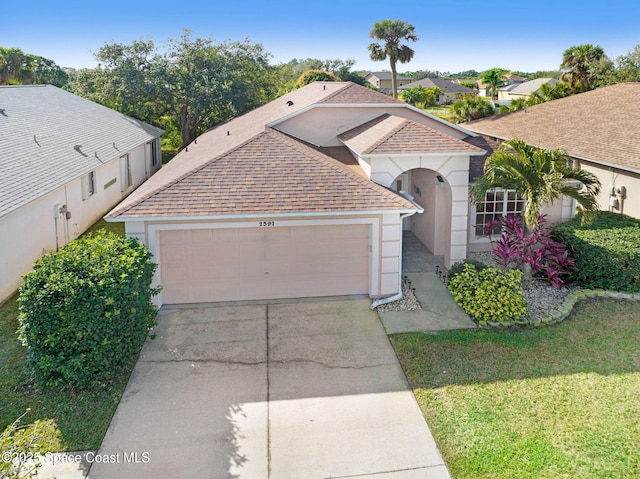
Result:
457,268
606,250
315,75
85,310
490,294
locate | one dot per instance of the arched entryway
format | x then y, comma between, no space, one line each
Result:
432,228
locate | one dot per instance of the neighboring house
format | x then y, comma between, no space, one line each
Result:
450,91
307,196
598,129
64,162
523,90
382,80
510,81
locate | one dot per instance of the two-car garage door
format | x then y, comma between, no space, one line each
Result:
232,264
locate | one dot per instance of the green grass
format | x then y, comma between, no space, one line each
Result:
555,402
76,420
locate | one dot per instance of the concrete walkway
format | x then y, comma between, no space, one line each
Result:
439,311
293,390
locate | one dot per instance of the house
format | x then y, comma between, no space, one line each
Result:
306,196
509,81
598,129
450,91
382,80
523,90
64,162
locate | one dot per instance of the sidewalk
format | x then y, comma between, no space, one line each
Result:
439,311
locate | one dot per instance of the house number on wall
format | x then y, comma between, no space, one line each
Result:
267,223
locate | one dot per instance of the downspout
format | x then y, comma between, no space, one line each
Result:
398,295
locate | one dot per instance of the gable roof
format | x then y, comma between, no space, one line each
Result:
528,87
446,86
270,174
390,134
50,137
386,76
599,126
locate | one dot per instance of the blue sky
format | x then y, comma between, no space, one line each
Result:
454,35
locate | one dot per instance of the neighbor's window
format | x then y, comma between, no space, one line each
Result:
497,203
125,170
88,185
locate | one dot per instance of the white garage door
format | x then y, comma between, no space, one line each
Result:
208,265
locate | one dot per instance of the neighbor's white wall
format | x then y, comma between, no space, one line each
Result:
28,232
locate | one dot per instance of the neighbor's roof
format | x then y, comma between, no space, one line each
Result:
447,86
600,125
49,137
241,132
389,134
271,173
528,87
387,76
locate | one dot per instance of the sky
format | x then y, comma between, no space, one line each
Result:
454,35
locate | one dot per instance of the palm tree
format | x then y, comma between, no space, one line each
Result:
471,108
582,64
540,175
493,77
392,32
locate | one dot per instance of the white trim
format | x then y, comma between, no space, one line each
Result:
123,217
153,241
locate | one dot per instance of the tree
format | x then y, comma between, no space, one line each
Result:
392,33
549,92
493,77
584,66
627,67
315,75
540,175
193,85
420,95
16,67
471,108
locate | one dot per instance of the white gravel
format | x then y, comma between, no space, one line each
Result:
408,302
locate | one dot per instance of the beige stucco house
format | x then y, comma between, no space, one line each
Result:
64,162
306,196
450,91
598,129
382,80
524,89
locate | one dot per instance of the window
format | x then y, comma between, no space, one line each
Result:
125,172
497,203
152,154
88,185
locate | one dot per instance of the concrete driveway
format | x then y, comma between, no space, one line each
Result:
299,390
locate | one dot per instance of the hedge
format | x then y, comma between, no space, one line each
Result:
606,250
86,310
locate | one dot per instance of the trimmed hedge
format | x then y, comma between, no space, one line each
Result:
86,310
457,268
489,294
606,251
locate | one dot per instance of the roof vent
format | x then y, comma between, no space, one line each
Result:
289,103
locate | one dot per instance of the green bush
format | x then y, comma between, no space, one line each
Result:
490,294
86,310
315,75
606,250
457,268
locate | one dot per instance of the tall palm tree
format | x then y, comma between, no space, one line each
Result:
582,64
392,32
539,175
493,77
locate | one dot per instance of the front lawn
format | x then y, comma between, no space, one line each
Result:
78,420
553,402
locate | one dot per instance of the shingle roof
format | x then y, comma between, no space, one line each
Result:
387,76
446,86
476,163
357,94
600,125
40,128
271,173
528,87
389,134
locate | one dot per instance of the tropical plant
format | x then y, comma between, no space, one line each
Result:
420,95
540,175
315,75
549,92
584,66
534,251
493,77
392,33
471,108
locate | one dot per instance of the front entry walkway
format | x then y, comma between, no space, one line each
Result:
416,258
294,390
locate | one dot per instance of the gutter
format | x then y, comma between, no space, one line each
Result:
398,295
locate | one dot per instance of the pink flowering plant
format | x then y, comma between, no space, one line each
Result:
530,250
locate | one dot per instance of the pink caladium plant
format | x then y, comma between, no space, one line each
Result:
517,247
